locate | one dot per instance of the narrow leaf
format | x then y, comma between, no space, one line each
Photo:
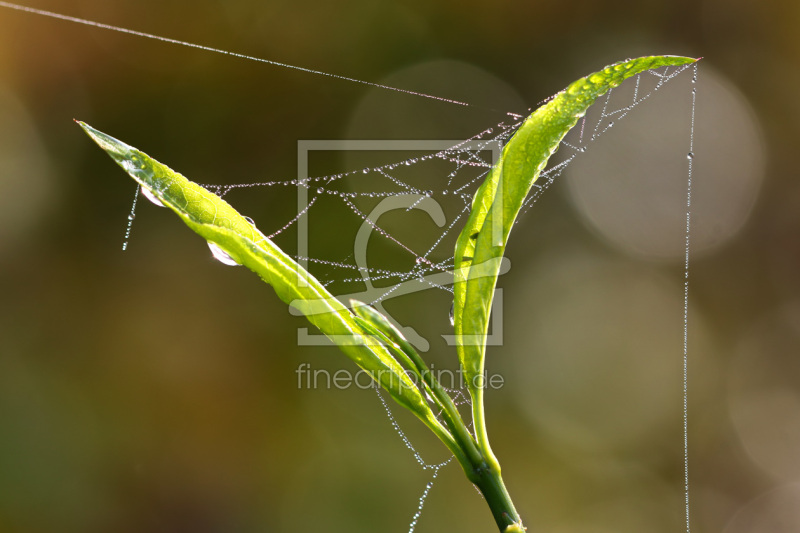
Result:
498,201
216,221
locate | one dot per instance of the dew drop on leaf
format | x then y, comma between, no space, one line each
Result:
129,166
221,255
453,314
147,193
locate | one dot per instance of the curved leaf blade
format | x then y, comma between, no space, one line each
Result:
218,222
498,200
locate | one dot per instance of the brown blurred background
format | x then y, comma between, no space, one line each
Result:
155,389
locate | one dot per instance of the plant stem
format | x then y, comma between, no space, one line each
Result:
490,483
479,422
477,459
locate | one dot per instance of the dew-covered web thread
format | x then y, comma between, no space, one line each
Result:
459,169
434,467
428,181
437,183
690,157
131,217
462,168
612,109
145,35
429,265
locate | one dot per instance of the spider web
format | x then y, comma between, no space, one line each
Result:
413,263
434,185
455,171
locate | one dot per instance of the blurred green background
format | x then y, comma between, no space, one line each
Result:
155,389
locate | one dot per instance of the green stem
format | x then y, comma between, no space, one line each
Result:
474,455
476,458
490,483
486,475
479,422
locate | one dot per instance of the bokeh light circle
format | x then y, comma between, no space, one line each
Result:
631,185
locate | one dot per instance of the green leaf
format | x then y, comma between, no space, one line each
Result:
216,221
379,326
376,323
497,203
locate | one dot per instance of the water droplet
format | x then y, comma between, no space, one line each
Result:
419,260
365,171
320,190
453,314
690,155
250,220
150,195
694,90
131,216
694,78
221,255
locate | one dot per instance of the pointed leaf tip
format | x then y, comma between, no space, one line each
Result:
113,147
